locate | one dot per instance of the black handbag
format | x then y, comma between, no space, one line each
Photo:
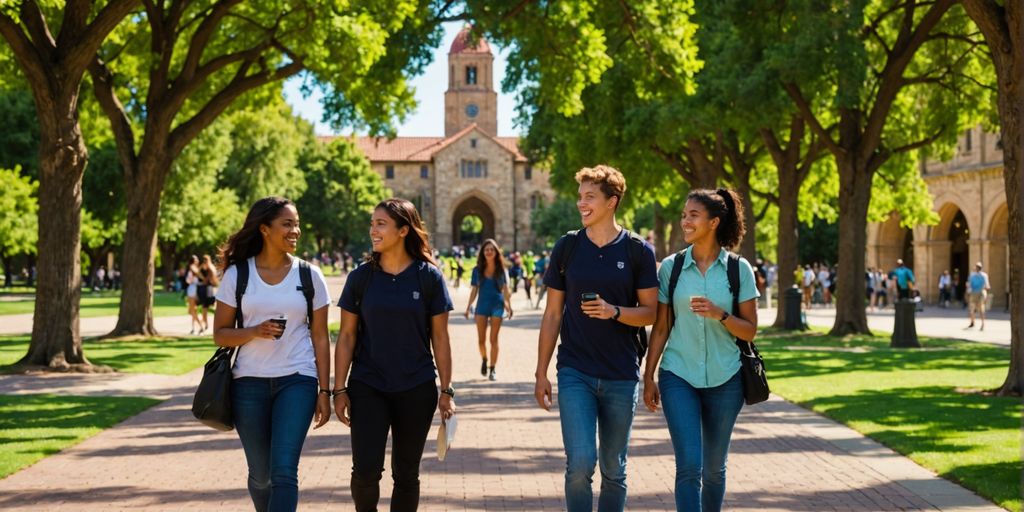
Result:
755,381
212,402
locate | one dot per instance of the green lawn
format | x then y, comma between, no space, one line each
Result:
105,303
163,356
925,404
34,426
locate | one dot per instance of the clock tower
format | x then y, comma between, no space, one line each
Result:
470,97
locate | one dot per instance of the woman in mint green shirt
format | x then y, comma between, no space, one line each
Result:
699,382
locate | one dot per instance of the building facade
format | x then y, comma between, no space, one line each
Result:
470,171
970,199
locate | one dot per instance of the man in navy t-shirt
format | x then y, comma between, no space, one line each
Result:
599,357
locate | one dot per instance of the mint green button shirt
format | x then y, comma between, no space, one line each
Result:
700,350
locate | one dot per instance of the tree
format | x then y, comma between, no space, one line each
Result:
1002,24
196,213
53,65
266,142
17,218
202,59
889,74
19,134
342,191
553,220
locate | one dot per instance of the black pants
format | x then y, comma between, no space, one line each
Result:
407,414
903,293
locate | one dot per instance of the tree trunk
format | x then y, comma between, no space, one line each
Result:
660,232
56,342
142,192
169,257
854,199
787,257
8,275
748,246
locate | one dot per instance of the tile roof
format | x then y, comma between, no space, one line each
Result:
421,149
461,44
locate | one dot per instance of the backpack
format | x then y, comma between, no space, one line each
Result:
427,288
634,253
306,287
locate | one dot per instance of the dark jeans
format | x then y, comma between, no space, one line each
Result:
272,416
902,293
407,414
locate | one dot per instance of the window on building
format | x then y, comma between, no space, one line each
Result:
472,143
470,75
424,172
473,169
529,172
389,172
426,200
967,141
533,202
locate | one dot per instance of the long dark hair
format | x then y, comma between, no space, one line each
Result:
417,242
725,205
499,260
248,241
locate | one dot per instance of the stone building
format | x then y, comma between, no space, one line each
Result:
970,199
470,171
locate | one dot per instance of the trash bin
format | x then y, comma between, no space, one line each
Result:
904,333
793,299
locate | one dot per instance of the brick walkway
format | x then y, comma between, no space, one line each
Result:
507,455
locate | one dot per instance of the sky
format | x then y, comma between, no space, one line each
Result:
428,119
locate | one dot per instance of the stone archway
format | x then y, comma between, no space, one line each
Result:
959,250
997,266
472,206
894,242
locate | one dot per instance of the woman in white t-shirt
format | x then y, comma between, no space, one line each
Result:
283,356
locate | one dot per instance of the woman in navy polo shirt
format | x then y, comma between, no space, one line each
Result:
394,309
490,285
699,383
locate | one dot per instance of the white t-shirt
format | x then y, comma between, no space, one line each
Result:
823,278
291,354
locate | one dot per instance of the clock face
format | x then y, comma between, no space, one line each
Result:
472,110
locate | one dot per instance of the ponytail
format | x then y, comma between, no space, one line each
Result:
725,205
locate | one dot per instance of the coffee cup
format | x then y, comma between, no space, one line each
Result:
282,321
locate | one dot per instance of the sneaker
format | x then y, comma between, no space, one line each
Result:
493,375
483,368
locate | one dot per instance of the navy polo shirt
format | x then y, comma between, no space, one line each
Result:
393,346
604,349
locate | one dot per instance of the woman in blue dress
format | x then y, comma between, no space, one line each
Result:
490,285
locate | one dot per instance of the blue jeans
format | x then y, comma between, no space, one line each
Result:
700,422
272,416
590,407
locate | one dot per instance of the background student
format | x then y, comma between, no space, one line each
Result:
490,291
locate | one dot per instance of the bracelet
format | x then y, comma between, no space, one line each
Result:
337,392
325,392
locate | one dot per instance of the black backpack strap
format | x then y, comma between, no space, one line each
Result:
306,281
361,283
732,270
242,273
673,280
569,242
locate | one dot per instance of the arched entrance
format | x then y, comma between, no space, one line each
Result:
999,256
469,208
959,251
894,242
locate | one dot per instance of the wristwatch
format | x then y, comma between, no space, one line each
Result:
450,391
725,316
617,313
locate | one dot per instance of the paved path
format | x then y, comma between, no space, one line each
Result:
507,455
